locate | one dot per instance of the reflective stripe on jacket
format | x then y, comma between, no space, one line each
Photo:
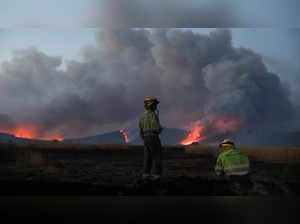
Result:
232,162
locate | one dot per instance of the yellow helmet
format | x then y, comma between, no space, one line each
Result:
227,142
150,100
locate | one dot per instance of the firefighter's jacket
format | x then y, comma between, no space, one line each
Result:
232,162
149,124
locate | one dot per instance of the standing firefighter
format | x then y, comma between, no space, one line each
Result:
231,161
150,129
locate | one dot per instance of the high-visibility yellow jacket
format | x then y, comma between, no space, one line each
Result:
232,162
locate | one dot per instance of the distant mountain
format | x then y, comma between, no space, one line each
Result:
112,137
169,136
288,139
4,138
282,139
9,138
173,136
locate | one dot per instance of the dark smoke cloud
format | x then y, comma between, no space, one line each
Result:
23,77
241,86
6,123
177,13
151,13
289,71
196,77
195,13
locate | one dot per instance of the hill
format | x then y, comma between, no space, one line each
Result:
170,136
173,136
6,138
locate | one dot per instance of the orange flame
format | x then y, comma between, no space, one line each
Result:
194,136
29,132
25,132
214,126
123,132
54,138
58,138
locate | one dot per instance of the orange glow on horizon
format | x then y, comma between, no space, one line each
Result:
59,138
54,138
25,132
29,132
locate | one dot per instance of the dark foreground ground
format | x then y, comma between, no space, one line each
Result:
117,172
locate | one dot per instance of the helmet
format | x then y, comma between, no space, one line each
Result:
150,100
227,142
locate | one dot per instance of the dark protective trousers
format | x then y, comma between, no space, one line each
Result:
152,155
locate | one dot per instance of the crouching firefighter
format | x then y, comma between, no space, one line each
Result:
232,162
150,129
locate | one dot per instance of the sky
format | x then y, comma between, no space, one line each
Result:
67,35
34,13
64,42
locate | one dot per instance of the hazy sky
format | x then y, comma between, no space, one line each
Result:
64,42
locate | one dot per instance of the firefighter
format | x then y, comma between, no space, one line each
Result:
231,162
150,129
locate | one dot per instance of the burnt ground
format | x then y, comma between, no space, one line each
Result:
117,172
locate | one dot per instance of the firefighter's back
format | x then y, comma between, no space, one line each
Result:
235,162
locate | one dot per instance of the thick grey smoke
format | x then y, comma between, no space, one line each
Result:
195,13
167,13
6,123
150,13
195,76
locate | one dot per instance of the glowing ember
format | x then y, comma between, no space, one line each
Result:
123,132
194,136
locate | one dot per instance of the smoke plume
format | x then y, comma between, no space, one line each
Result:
196,78
194,13
167,13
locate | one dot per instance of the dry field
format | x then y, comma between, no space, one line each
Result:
57,168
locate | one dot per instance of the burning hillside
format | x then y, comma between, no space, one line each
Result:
29,132
25,132
205,130
194,136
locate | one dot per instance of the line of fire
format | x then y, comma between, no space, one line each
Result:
200,132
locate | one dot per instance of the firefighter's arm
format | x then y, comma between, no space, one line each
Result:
141,130
157,127
219,168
